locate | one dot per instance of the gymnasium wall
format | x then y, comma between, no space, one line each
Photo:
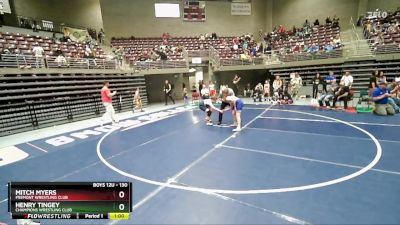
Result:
123,18
389,5
248,76
294,12
155,86
84,13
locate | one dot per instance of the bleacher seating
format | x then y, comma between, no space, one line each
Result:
23,44
390,40
29,101
322,35
135,47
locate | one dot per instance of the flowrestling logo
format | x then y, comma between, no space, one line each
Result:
124,125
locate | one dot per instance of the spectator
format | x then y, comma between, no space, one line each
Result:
296,82
335,21
38,52
342,94
328,20
162,55
337,43
235,82
372,82
328,96
380,39
281,29
381,77
119,55
89,55
317,80
245,56
329,47
101,36
222,87
60,59
316,23
394,100
202,37
277,84
258,92
347,79
267,89
313,48
294,30
296,48
380,96
328,80
247,92
306,24
211,86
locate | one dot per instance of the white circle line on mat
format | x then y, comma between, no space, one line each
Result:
258,191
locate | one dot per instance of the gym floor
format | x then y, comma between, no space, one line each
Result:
289,165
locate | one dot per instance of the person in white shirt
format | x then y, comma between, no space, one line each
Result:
38,52
266,89
211,86
296,82
347,79
277,86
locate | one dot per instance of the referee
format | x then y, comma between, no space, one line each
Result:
224,103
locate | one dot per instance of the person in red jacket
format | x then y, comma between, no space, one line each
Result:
106,98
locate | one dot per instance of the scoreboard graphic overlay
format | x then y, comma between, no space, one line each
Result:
70,200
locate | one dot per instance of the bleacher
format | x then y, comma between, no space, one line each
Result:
21,56
391,39
30,101
321,35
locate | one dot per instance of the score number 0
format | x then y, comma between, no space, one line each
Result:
121,206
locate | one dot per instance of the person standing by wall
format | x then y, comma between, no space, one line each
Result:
106,98
316,81
235,82
38,52
277,85
185,94
296,82
372,82
328,80
168,92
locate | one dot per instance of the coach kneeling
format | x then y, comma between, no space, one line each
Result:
380,96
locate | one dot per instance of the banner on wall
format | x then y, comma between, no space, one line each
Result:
240,9
77,35
5,6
